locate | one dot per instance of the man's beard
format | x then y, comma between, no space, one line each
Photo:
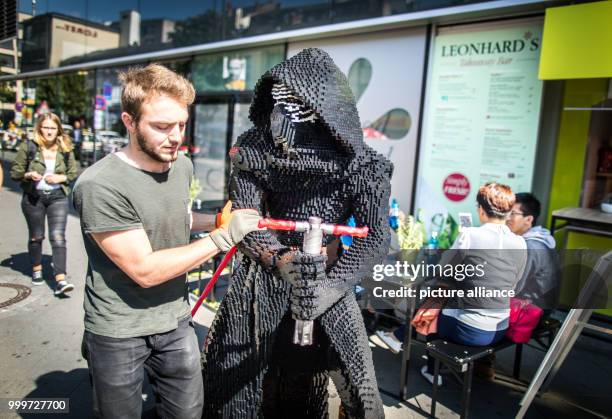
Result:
151,152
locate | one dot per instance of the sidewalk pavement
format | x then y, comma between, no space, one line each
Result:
40,341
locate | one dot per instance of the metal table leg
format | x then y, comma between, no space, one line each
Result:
518,353
406,347
467,390
434,393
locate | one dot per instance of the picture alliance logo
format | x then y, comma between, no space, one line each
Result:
456,187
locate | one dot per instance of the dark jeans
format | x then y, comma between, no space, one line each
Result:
172,360
55,207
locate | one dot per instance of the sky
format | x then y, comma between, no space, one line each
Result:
108,10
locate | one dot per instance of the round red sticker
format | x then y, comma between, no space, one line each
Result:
456,187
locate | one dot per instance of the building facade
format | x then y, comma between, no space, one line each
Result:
52,38
440,91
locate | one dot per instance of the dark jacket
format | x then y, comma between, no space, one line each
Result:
21,166
541,279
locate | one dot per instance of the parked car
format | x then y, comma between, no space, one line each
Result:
86,152
111,141
106,142
67,129
11,139
29,133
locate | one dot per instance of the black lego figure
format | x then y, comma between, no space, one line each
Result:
304,156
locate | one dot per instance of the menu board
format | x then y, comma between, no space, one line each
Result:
481,114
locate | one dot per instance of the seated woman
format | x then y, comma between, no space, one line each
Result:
480,320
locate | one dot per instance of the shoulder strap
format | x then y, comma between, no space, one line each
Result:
89,271
31,153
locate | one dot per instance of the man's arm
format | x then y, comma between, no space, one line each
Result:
131,251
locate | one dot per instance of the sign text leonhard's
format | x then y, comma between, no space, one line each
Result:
486,48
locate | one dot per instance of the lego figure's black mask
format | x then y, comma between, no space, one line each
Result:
297,131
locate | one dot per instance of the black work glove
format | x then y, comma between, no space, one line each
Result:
312,293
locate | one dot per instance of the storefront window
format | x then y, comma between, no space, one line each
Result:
241,120
76,93
182,67
7,100
588,114
210,138
234,70
39,96
107,112
28,99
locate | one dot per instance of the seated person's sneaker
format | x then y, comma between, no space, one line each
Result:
429,377
389,339
62,287
37,278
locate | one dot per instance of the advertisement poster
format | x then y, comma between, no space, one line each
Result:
385,72
481,114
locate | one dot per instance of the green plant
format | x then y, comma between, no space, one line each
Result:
411,233
7,92
194,190
448,234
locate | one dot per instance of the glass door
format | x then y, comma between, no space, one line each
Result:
218,121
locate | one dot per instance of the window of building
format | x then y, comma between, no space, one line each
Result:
234,70
7,61
34,45
75,93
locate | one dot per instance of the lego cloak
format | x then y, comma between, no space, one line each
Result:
250,339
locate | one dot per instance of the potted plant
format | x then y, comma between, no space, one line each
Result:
411,236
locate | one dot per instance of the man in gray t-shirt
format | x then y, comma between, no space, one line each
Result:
115,305
136,220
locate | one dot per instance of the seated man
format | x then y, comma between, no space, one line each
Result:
541,279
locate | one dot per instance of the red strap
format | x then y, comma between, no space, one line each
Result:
213,280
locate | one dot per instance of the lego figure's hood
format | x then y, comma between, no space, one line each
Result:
313,77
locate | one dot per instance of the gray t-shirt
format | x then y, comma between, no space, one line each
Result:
112,196
503,255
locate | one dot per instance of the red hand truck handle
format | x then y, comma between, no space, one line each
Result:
213,280
274,224
335,229
340,230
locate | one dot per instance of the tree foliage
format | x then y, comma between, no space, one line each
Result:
7,92
74,96
65,94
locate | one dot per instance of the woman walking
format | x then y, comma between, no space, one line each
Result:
45,167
